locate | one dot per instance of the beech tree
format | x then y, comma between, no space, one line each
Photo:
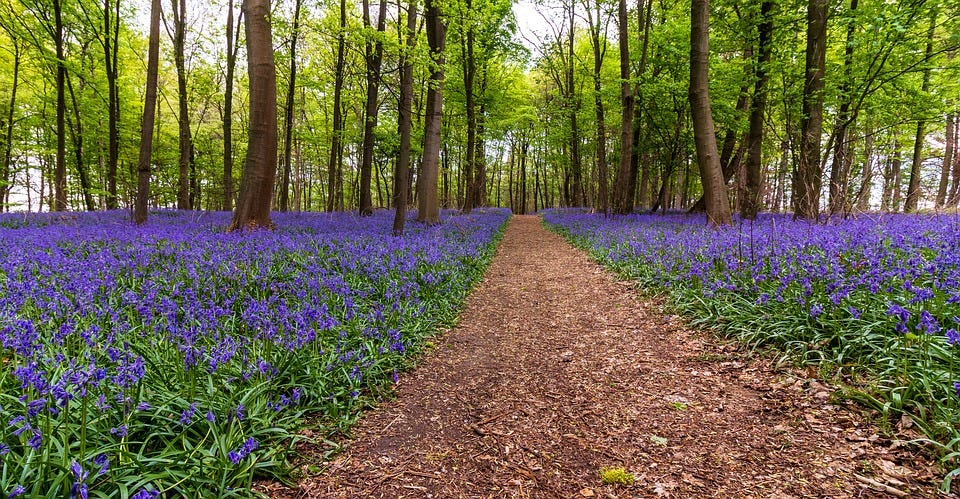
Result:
260,167
717,206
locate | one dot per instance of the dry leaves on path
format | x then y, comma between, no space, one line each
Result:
557,371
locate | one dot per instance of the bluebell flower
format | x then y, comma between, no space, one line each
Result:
17,491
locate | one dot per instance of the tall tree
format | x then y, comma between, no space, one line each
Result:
374,59
807,181
187,170
624,194
231,65
750,205
950,145
913,190
334,169
711,175
284,200
840,168
404,122
429,207
599,44
260,167
149,115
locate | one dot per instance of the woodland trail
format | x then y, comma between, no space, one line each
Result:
556,370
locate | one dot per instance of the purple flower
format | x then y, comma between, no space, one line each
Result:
187,415
953,337
79,488
816,310
146,494
4,449
19,490
36,440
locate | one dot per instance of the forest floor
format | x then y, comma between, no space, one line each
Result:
556,371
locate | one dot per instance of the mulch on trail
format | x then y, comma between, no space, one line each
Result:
556,371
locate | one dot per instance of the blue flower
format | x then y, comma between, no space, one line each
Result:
17,491
953,337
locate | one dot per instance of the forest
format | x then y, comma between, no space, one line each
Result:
781,173
587,105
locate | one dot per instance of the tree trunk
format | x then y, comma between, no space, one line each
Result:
429,209
178,37
77,135
111,28
6,182
955,164
469,62
405,122
839,169
807,181
231,63
260,168
624,195
284,200
335,164
913,191
60,170
866,184
149,115
601,130
949,146
374,58
711,175
750,205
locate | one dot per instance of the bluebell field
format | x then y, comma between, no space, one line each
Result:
176,359
874,299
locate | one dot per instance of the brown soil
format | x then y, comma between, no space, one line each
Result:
557,371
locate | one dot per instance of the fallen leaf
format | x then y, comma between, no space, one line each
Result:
587,492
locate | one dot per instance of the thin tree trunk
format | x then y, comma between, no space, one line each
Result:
599,51
7,184
60,169
77,134
750,205
947,161
335,164
260,168
149,115
374,58
839,171
866,185
807,181
405,123
284,200
711,174
913,191
178,8
111,69
231,63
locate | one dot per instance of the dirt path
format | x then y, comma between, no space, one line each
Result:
557,370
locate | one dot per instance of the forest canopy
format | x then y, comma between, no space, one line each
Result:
815,107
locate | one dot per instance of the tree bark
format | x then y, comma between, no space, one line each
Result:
374,58
7,181
913,190
807,181
284,201
260,168
149,115
711,175
624,194
231,63
949,146
178,37
839,169
334,165
60,169
750,205
601,130
405,122
429,208
111,68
